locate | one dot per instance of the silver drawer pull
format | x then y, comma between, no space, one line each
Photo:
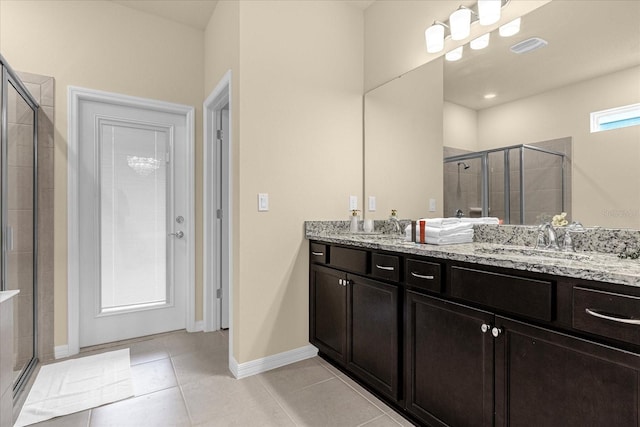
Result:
612,318
384,267
317,253
420,276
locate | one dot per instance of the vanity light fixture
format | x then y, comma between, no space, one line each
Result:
485,12
489,11
434,36
454,55
511,28
460,23
480,43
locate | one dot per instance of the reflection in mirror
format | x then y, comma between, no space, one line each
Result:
548,94
403,148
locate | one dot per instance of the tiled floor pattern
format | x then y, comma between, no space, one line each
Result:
182,379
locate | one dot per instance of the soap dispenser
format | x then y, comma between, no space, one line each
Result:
354,221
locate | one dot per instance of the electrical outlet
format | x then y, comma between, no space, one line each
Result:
353,202
372,203
432,205
263,202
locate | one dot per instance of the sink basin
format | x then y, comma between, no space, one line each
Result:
530,252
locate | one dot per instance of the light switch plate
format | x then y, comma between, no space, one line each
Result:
432,205
263,202
353,202
372,203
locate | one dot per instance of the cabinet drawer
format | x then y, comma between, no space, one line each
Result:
612,315
518,295
318,253
385,267
423,274
349,259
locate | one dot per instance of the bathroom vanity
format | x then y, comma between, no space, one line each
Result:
480,334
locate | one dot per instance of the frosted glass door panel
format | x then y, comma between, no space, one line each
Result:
133,208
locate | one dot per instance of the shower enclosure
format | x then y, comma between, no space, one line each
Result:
520,184
18,215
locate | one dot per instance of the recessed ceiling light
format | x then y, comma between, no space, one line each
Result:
490,96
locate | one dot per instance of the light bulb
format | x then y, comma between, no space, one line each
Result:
510,28
480,43
460,22
434,37
489,11
454,55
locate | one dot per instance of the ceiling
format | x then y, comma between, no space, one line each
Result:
594,39
196,13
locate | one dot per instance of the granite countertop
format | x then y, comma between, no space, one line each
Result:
596,266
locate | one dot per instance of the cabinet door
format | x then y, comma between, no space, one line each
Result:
373,333
328,312
449,363
545,378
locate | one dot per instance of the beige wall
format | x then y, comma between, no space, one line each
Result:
460,127
606,176
101,45
300,117
394,33
403,129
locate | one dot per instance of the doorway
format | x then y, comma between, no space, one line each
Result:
217,207
132,206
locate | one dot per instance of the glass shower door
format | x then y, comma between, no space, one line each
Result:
19,208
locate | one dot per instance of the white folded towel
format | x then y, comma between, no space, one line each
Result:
440,222
446,231
462,237
483,220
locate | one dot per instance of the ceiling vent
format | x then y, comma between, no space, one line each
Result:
528,45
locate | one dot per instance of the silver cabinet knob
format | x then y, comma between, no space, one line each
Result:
485,328
340,281
496,332
178,235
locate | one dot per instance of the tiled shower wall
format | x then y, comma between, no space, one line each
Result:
42,89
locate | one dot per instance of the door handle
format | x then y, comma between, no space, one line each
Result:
178,234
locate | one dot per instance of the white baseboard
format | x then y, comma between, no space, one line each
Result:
253,367
198,326
61,351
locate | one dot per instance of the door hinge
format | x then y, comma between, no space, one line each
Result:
219,293
219,134
219,213
168,157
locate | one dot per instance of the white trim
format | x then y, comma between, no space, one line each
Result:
597,118
61,351
211,305
198,326
74,96
268,363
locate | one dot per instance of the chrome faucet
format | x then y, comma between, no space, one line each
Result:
547,237
459,213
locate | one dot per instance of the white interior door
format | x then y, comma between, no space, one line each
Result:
133,196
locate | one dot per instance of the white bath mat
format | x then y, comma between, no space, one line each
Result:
76,385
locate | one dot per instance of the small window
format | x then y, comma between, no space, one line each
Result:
615,118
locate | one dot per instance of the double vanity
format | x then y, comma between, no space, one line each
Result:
480,334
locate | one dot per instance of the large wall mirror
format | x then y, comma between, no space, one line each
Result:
591,63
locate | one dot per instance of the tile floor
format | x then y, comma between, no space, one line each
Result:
182,379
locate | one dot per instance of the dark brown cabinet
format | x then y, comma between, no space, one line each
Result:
373,333
546,378
328,312
356,322
457,344
449,362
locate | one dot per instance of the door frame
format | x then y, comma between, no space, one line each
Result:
75,96
212,271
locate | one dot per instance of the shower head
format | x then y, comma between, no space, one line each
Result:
466,166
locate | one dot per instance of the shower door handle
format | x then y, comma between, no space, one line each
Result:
178,234
9,238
